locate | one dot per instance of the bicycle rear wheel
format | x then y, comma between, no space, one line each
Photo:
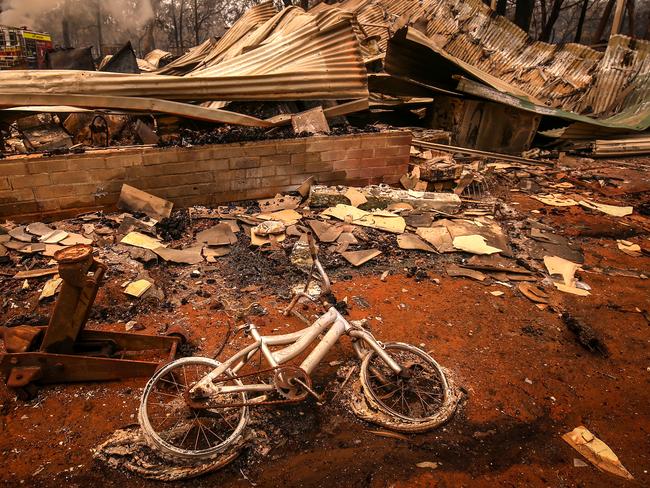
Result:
418,396
175,429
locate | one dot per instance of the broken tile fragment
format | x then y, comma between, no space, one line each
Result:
141,240
357,258
455,270
38,229
212,253
413,242
137,288
51,288
218,235
190,255
54,237
325,232
475,244
73,239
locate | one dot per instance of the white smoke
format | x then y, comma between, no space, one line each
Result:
20,13
34,14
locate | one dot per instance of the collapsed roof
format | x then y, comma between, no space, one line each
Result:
403,49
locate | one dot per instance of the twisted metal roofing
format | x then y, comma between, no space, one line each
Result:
321,60
467,37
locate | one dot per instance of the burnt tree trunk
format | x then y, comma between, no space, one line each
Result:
523,13
630,16
552,18
602,25
581,20
501,7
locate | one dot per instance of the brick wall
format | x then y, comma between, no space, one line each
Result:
46,188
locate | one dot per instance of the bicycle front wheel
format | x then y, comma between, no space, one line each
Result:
174,428
418,395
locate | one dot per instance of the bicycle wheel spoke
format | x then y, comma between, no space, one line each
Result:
174,425
166,394
414,396
196,442
214,433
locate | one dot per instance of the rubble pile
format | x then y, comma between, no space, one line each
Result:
360,61
516,246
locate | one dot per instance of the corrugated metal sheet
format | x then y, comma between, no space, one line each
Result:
470,31
378,18
212,51
319,61
189,60
466,37
247,23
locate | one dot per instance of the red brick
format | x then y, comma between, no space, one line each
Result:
374,162
190,200
76,201
397,161
49,205
177,168
163,181
245,183
374,142
213,164
292,146
13,196
348,164
260,149
60,191
399,139
278,181
290,169
300,178
101,175
86,163
15,209
244,163
185,190
262,172
318,167
160,156
195,154
331,143
46,165
360,153
8,168
70,177
275,159
305,157
229,175
107,198
227,151
334,155
124,160
30,181
108,186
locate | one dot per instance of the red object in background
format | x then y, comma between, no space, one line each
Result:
22,48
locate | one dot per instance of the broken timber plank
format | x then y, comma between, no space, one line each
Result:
476,152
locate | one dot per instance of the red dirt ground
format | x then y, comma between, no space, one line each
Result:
507,432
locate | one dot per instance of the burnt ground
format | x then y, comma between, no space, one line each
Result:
527,380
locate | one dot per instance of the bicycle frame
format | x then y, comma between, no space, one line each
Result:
296,343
